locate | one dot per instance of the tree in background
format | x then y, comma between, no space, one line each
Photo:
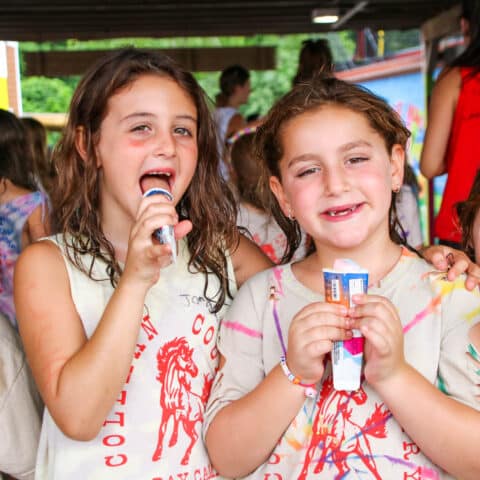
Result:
42,94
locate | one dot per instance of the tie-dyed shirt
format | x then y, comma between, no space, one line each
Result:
339,434
13,216
266,233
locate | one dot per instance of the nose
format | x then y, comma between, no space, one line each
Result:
165,144
335,180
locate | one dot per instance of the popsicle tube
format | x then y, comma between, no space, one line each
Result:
165,234
347,355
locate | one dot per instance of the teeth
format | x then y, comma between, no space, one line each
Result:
340,213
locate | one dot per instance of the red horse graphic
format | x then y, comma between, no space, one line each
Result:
178,403
337,437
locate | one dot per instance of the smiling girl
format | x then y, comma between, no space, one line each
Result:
334,154
121,339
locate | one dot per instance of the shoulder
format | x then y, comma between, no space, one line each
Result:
448,83
43,255
248,259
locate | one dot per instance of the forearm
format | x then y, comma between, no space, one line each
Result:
447,431
243,434
100,368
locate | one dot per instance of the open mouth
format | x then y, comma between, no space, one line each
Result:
342,212
155,180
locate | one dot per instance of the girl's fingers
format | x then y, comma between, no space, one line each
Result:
183,228
323,307
373,305
377,334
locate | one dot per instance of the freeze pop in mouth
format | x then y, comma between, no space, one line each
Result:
159,185
152,180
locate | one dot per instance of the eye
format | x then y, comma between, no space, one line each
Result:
140,128
308,171
354,160
183,131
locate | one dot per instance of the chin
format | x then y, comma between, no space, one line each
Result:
347,242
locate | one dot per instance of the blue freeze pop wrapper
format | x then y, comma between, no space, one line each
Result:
341,283
165,234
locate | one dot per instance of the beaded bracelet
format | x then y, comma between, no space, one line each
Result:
310,390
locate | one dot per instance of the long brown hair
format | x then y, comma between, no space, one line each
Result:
324,90
207,202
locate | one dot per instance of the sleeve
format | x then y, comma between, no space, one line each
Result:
240,342
459,370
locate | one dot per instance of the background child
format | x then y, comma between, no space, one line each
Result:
406,203
315,56
451,145
335,157
23,208
37,135
470,221
121,339
252,205
235,89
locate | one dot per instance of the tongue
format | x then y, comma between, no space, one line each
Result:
153,181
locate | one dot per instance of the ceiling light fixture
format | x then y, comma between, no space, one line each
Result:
325,15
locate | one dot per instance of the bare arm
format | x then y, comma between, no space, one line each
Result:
271,401
248,259
270,407
435,416
64,364
440,118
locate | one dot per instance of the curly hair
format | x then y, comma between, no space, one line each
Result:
207,202
320,91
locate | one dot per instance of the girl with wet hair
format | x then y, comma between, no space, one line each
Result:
119,329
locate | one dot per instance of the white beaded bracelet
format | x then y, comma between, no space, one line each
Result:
309,388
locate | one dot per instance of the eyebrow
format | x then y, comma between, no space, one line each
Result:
148,114
305,157
351,145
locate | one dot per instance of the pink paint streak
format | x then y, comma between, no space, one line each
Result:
238,327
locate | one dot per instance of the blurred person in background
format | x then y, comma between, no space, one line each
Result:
24,213
451,140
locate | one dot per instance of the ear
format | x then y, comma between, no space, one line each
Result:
277,189
397,159
80,142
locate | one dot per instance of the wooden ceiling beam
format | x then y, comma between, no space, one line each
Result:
63,63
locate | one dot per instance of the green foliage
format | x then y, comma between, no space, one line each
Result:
40,94
53,95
